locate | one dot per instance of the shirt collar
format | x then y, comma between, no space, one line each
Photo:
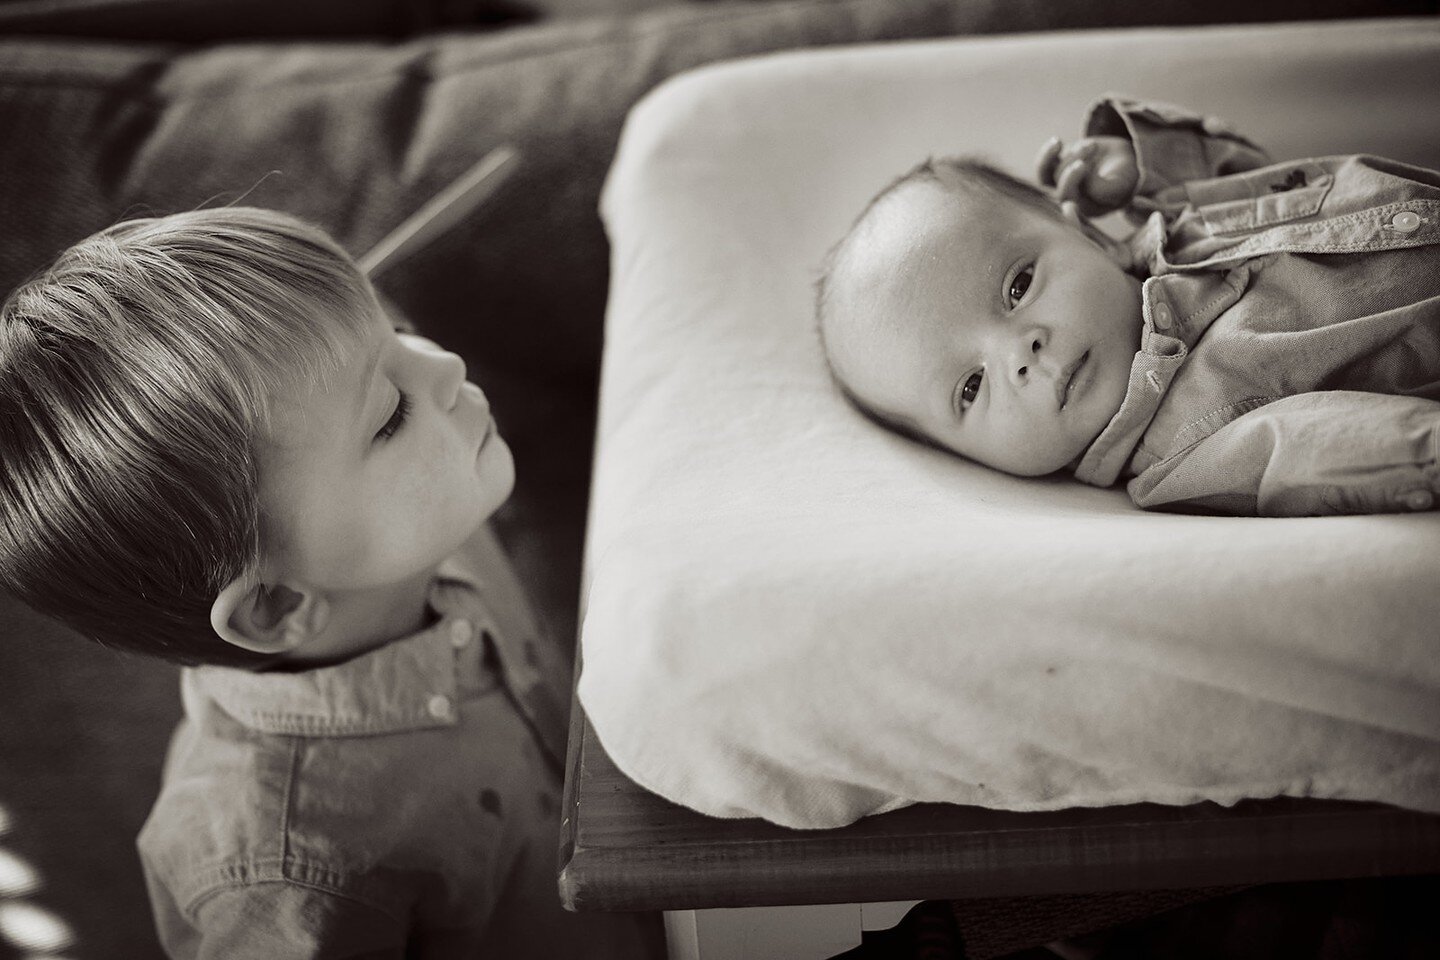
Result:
393,688
1177,309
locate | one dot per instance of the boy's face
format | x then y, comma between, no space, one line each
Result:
997,331
383,470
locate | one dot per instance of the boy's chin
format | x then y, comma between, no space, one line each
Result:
495,470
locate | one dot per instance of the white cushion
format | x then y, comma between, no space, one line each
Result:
793,614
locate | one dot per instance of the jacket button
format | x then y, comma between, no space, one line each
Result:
440,707
1406,221
1418,499
460,633
1164,319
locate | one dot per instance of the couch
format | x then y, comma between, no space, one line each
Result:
351,114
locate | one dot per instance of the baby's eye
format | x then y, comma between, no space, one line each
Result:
1019,284
397,419
970,389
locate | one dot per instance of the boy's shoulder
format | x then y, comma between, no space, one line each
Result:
326,773
260,788
249,800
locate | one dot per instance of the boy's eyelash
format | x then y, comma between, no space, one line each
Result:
397,419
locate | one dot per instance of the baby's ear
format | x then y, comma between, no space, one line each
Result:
271,618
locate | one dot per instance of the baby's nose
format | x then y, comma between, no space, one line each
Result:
1026,354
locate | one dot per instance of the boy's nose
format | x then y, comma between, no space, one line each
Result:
1025,355
449,379
445,369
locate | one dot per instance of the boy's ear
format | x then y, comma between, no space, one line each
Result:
269,618
1116,250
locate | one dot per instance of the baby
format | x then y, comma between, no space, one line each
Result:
1267,341
215,448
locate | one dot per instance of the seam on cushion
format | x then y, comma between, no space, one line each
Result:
693,23
136,85
75,81
689,25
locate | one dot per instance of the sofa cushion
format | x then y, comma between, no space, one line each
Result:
196,21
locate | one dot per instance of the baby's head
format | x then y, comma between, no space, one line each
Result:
966,310
210,427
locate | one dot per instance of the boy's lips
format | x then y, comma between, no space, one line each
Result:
1072,381
487,434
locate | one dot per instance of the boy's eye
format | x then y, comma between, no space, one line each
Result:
1019,284
970,389
397,418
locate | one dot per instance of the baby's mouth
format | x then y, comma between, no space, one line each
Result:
1065,383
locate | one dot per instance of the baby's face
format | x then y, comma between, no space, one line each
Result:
997,331
382,471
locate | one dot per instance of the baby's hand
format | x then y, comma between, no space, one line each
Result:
1098,173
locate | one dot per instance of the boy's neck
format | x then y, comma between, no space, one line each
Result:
364,620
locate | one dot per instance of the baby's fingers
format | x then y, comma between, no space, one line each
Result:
1070,182
1048,160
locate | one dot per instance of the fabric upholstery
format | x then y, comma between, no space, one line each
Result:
112,108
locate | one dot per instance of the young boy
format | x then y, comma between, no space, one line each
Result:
217,450
1266,342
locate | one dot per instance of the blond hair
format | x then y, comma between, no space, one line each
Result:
136,375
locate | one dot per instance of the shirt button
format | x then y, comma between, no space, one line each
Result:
440,707
1418,499
1406,221
1164,319
461,633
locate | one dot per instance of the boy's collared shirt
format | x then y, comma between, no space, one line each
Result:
402,803
1290,357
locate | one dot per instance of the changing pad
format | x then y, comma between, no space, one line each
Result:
793,614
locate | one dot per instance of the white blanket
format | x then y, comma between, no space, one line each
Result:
795,615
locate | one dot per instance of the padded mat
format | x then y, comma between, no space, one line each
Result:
793,614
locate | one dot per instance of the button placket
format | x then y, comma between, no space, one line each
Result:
1163,317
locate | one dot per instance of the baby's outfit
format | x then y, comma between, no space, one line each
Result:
1290,357
404,803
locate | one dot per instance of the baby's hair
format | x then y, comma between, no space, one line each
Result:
954,170
970,171
136,375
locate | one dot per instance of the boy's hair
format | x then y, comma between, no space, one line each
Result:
135,380
968,171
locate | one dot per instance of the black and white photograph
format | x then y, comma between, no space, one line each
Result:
719,480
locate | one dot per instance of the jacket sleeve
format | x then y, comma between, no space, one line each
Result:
280,921
1172,145
1326,452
